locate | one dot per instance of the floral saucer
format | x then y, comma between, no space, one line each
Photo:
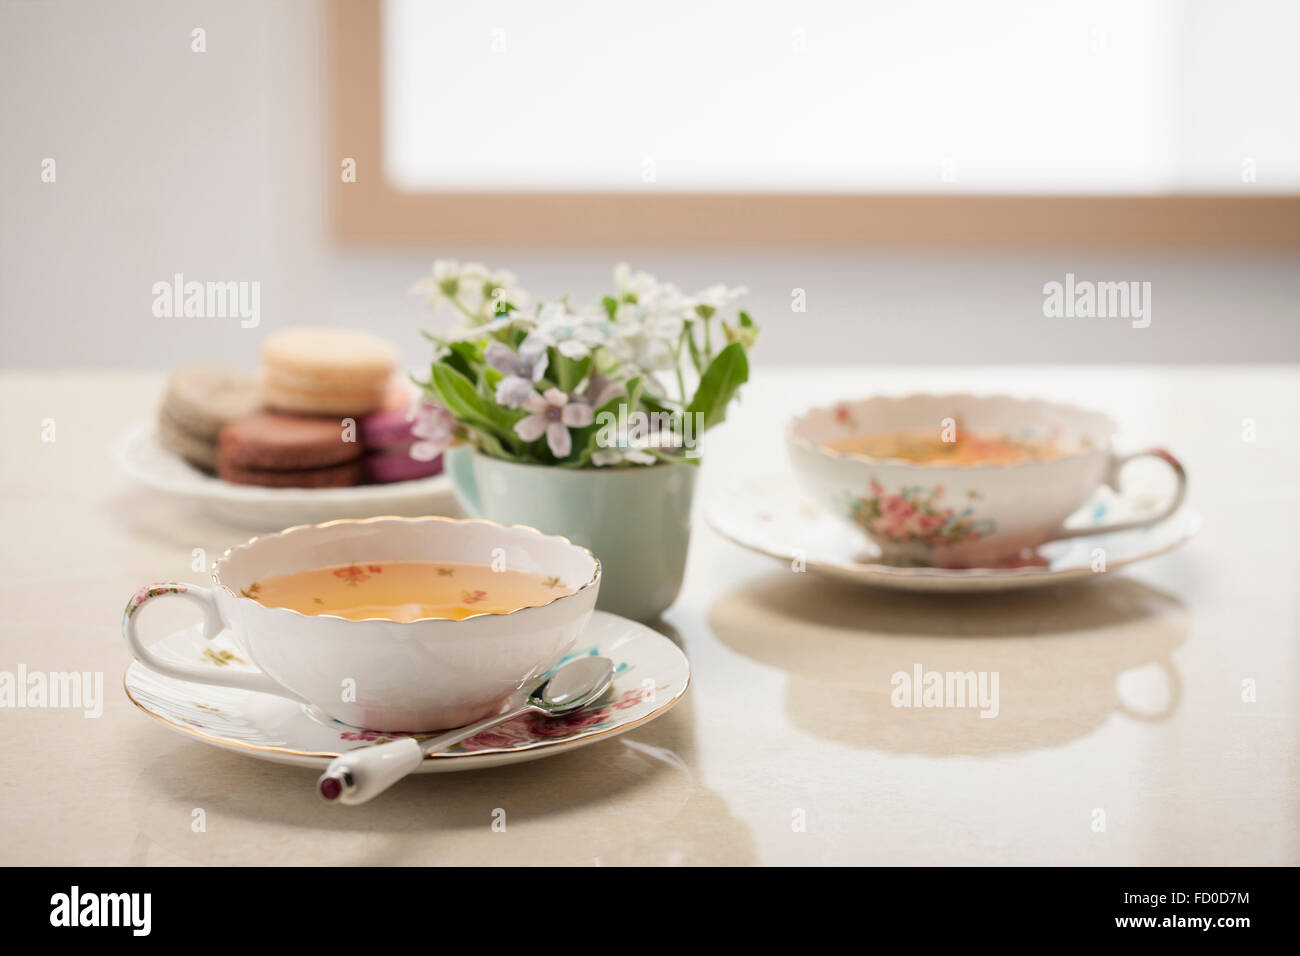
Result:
769,516
651,675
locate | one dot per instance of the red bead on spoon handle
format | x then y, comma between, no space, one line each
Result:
357,776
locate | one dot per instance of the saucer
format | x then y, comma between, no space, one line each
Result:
769,516
141,457
651,675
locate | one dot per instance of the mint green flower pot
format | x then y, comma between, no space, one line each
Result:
636,520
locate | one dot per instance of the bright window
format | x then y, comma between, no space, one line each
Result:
833,96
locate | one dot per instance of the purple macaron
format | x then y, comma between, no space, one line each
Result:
386,428
396,464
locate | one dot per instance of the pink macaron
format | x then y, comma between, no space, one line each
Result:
396,464
386,428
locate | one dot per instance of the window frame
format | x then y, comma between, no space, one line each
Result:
371,210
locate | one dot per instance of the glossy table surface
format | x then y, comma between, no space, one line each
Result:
1149,716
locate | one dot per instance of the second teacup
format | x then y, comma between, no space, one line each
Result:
969,513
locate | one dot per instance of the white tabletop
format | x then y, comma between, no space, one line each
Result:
1123,695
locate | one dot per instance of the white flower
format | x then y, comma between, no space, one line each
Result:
553,415
501,287
471,286
645,289
445,281
633,286
494,291
716,298
645,340
664,326
573,336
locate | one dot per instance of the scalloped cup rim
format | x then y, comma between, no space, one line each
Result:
795,436
305,528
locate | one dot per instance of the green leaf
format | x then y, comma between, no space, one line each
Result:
568,372
489,443
726,373
658,403
471,409
688,332
611,306
466,358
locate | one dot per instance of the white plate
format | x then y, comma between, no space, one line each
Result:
769,516
651,675
139,454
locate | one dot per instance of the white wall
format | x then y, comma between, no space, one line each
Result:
215,165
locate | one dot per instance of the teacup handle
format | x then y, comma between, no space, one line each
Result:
1117,463
212,626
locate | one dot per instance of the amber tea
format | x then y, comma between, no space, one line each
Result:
929,448
407,590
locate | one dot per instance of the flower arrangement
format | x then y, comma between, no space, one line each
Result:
609,385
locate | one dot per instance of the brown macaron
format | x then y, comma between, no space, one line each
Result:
270,442
334,476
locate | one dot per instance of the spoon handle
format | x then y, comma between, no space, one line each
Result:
360,775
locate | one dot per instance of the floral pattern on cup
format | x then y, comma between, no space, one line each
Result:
148,591
915,515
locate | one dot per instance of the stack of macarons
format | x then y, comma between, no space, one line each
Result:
327,413
200,400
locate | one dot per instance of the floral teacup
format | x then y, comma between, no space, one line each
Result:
955,516
379,674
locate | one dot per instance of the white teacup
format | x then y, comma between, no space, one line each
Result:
958,516
378,674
